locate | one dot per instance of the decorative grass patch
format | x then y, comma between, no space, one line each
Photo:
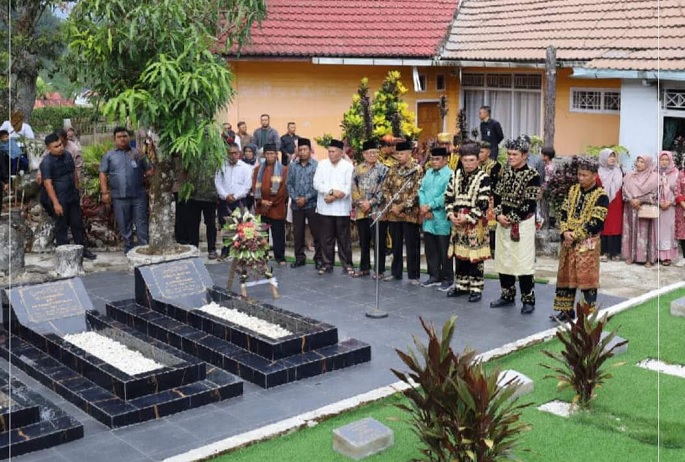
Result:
623,424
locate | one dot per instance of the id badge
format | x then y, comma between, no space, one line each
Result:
134,164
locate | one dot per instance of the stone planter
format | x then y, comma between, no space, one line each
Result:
12,232
137,258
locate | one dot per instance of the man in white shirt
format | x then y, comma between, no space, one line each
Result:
333,182
233,183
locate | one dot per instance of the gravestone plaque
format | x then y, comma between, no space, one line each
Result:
57,307
678,307
524,385
362,438
184,283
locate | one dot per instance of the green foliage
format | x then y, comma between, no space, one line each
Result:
92,155
390,113
47,119
357,126
583,355
324,140
458,410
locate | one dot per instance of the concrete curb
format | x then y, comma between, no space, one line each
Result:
311,418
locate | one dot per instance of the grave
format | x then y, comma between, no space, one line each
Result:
678,307
620,341
362,438
39,320
29,422
169,298
524,385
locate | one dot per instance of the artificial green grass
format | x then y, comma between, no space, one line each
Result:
623,424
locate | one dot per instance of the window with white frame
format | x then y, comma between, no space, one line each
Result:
674,99
515,100
440,82
597,100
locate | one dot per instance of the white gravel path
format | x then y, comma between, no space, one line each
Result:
251,322
665,368
114,353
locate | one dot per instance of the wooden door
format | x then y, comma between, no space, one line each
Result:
428,119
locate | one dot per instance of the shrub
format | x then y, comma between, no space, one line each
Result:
92,155
583,355
459,411
48,119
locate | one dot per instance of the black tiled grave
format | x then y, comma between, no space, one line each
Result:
108,394
30,422
175,290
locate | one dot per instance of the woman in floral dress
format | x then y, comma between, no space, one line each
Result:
668,181
639,242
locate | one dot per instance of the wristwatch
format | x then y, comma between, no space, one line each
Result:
330,193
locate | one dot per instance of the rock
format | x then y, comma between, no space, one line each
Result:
524,383
620,350
12,235
69,260
362,438
678,307
547,242
44,236
137,258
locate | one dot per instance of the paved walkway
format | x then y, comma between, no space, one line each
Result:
335,299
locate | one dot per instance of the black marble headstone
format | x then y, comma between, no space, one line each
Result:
57,307
183,283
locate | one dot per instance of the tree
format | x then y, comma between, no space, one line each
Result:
35,41
154,62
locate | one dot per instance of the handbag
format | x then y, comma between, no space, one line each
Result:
648,212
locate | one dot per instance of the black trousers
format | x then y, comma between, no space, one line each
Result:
611,245
335,230
70,219
439,264
492,243
365,237
526,283
277,230
183,221
380,247
208,210
300,219
409,234
469,276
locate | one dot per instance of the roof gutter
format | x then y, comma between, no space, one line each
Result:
581,73
374,62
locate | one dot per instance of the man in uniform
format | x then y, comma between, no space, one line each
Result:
403,214
582,220
466,202
515,204
366,197
436,226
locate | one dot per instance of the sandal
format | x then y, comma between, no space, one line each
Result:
648,265
380,276
666,263
603,258
359,274
324,270
349,271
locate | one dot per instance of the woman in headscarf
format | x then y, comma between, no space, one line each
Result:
611,178
668,182
680,214
640,234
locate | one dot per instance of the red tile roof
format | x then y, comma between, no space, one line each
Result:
604,34
52,99
352,28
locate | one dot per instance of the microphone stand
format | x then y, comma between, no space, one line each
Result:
376,312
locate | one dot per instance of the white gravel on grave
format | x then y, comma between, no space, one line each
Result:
253,323
556,407
665,368
114,353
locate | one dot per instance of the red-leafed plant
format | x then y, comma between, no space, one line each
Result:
583,355
459,411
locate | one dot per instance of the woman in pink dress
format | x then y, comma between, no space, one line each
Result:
680,215
668,182
611,178
640,187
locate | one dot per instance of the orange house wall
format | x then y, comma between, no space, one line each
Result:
315,97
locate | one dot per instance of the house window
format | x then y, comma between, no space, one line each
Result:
598,100
422,83
440,82
515,100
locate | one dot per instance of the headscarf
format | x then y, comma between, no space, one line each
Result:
611,175
637,184
254,148
668,178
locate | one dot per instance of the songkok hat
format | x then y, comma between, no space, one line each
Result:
588,163
485,145
403,146
304,142
371,144
444,137
336,144
439,152
522,143
269,147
